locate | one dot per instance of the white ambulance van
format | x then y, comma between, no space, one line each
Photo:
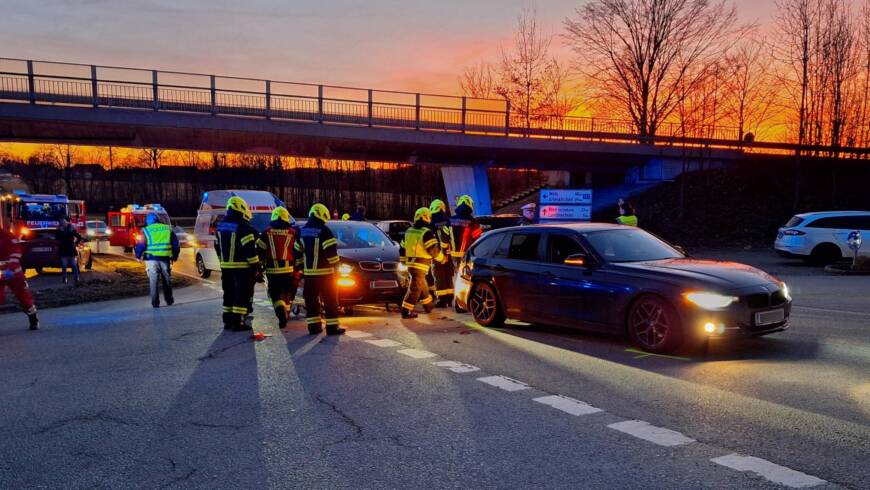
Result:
213,209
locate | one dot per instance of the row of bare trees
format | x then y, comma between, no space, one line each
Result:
688,67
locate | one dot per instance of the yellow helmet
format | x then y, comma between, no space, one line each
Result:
467,200
320,212
437,206
281,213
424,214
236,203
345,217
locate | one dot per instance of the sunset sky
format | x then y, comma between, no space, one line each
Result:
389,44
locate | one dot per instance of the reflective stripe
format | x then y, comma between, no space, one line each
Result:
234,265
415,265
312,319
430,243
254,260
240,309
327,243
426,301
246,239
319,272
442,292
333,260
407,306
278,270
331,321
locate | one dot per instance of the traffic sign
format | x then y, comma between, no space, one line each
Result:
557,212
566,196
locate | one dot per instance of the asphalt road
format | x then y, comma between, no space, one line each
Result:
118,395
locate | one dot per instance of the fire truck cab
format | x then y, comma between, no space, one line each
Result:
21,213
127,224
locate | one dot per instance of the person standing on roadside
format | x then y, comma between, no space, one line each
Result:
418,251
68,240
277,245
158,247
442,272
317,248
12,276
465,228
236,248
627,214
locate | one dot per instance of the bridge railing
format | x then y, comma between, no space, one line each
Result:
38,82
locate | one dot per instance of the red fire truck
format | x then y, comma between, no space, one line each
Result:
127,224
21,213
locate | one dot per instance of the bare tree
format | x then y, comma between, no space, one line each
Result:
751,91
479,81
645,55
530,78
64,158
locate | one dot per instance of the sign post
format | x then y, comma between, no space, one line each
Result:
854,241
557,205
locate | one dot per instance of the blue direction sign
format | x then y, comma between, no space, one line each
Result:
565,205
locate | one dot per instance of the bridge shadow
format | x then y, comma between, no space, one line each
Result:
211,435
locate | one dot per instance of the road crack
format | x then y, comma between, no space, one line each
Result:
97,417
358,430
219,426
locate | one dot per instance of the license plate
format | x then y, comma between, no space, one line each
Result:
42,249
384,284
769,317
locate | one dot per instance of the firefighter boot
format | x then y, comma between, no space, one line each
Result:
406,313
335,330
230,321
34,321
246,323
281,313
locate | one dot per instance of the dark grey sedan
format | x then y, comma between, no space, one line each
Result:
616,279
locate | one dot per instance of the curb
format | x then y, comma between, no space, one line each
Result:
832,269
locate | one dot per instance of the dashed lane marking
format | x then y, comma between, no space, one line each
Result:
567,405
417,353
457,367
651,433
770,471
504,383
357,334
384,343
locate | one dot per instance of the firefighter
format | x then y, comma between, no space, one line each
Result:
277,253
442,273
465,227
235,244
12,276
418,250
158,247
318,252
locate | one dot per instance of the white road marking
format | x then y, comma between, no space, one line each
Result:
384,343
770,471
567,405
651,433
357,334
504,383
457,367
417,353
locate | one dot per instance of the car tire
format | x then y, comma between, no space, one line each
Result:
201,269
485,306
825,253
653,325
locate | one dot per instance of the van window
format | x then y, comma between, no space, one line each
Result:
524,246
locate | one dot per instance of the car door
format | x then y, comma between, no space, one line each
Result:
845,225
517,266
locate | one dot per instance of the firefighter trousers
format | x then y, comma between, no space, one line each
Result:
319,290
282,290
418,290
443,274
238,286
18,286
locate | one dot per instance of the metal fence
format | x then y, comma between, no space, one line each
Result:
38,82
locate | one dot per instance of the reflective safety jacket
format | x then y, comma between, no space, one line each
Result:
627,220
10,254
235,242
420,247
317,248
466,230
443,231
277,248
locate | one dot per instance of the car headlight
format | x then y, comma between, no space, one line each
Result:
108,231
91,232
710,301
786,292
345,269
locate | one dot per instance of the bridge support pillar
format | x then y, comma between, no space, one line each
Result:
471,180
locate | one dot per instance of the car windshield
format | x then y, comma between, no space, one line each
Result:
630,246
141,219
42,211
356,234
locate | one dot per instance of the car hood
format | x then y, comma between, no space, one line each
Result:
723,275
384,254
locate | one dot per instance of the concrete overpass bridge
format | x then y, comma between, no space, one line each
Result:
46,102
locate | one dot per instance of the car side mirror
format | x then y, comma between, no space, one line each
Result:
577,260
681,250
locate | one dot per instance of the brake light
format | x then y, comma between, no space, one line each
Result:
25,231
793,233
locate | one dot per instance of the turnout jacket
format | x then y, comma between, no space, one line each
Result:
277,247
10,254
466,230
443,231
317,248
235,242
420,247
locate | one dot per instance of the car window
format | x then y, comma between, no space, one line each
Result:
487,246
630,245
524,246
560,247
840,222
794,221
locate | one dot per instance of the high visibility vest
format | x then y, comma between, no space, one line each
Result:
418,247
158,240
630,220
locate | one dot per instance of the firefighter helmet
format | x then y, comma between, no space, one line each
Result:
423,214
320,212
281,213
236,203
467,200
437,206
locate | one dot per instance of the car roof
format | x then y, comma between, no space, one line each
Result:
827,214
578,227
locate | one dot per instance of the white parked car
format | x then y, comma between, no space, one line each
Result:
822,237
